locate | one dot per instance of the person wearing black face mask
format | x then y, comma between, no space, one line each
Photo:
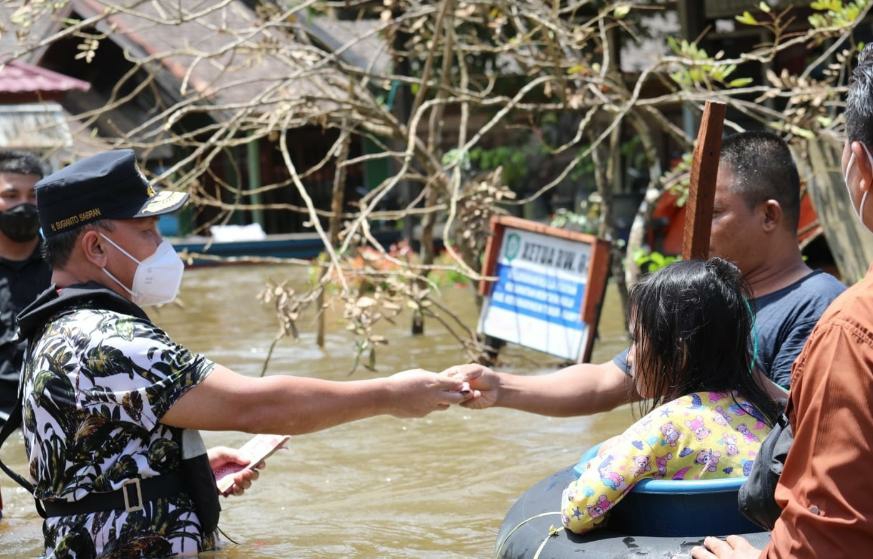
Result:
23,272
21,223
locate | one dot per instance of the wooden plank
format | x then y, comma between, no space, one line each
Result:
537,227
850,242
492,249
704,168
595,293
598,274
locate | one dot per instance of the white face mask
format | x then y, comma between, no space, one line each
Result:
157,278
849,189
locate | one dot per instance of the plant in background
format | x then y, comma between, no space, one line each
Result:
587,220
511,160
478,200
705,71
651,261
678,180
835,15
362,314
368,268
527,93
446,274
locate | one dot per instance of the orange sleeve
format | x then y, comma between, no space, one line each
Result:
825,488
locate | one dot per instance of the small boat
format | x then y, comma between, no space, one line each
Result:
291,245
657,518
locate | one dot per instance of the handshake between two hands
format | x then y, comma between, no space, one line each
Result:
413,393
417,392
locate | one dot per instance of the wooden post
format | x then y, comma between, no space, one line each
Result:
704,168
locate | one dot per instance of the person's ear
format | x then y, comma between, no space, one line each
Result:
862,164
845,156
771,215
93,248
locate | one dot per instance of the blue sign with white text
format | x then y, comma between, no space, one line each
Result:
537,295
536,300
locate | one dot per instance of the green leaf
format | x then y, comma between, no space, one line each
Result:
764,7
740,82
824,121
621,10
747,18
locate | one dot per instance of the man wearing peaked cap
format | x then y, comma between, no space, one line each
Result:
111,405
90,195
108,185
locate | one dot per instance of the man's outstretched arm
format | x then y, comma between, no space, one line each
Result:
288,405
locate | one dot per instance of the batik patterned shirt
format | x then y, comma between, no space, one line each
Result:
703,435
95,388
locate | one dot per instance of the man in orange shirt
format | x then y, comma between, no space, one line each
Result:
824,491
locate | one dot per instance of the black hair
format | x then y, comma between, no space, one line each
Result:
859,109
20,163
763,169
692,329
56,250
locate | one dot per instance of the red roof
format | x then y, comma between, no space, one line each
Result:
21,78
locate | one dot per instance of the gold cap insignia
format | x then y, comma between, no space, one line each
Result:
150,191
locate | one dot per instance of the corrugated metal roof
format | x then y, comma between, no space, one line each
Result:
34,127
49,131
21,42
358,42
222,54
20,77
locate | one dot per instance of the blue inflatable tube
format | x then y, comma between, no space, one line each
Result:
658,518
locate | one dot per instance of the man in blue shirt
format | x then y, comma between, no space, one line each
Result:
754,224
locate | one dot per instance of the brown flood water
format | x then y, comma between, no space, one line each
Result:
436,487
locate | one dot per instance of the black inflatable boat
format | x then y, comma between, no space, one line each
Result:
658,518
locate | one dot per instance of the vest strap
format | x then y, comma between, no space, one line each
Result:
131,497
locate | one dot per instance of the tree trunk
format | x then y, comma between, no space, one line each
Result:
428,222
337,202
636,239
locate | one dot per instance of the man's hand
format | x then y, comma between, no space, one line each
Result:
220,456
734,547
484,382
416,393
